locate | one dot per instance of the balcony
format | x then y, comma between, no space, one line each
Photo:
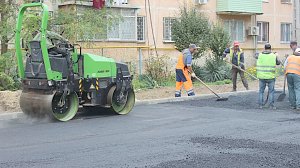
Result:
108,3
239,7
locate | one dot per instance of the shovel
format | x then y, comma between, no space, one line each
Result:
282,95
265,102
219,98
242,70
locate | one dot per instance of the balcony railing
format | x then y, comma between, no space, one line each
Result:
89,2
247,7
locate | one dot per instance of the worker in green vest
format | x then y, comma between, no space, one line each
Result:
265,68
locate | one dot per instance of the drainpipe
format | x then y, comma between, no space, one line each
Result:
253,18
294,31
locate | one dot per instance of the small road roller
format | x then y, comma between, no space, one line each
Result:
57,78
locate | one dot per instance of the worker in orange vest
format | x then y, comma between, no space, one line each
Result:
184,71
292,71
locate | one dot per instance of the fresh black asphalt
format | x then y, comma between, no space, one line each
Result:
202,133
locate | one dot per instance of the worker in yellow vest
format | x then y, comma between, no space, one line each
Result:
292,71
237,58
184,71
266,73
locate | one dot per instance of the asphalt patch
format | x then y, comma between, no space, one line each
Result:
247,101
227,152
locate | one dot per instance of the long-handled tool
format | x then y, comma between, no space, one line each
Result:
242,70
282,95
265,102
219,98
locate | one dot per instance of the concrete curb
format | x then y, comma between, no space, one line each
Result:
11,115
181,99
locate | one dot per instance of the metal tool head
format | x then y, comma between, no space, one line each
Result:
222,99
281,97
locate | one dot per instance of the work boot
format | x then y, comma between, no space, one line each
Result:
177,95
247,88
191,94
233,90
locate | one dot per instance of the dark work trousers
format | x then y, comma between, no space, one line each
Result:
234,72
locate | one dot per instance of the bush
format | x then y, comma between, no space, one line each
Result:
216,71
144,82
213,71
158,70
252,71
8,72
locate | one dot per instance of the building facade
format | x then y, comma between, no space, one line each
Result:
148,23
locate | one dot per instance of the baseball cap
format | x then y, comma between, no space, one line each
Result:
293,43
236,43
268,46
193,46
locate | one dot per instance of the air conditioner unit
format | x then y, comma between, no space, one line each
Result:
253,31
201,2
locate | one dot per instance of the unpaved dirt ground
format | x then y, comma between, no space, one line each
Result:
166,92
9,100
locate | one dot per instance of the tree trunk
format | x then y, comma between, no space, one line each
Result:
4,44
3,19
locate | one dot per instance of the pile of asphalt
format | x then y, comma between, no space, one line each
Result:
225,152
245,101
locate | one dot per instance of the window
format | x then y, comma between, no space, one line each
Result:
236,29
286,1
263,31
125,29
141,28
168,21
286,32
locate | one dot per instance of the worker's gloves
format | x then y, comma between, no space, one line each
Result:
193,75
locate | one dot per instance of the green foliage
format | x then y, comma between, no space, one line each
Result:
144,82
191,27
252,71
157,69
157,74
219,40
8,75
213,71
84,25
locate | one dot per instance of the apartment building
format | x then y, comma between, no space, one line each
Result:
252,23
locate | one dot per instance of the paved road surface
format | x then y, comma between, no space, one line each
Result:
202,133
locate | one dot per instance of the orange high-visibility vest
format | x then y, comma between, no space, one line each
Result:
293,65
180,62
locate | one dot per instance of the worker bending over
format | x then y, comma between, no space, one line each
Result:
265,68
184,71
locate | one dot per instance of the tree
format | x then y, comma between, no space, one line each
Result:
7,23
219,40
191,27
84,25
